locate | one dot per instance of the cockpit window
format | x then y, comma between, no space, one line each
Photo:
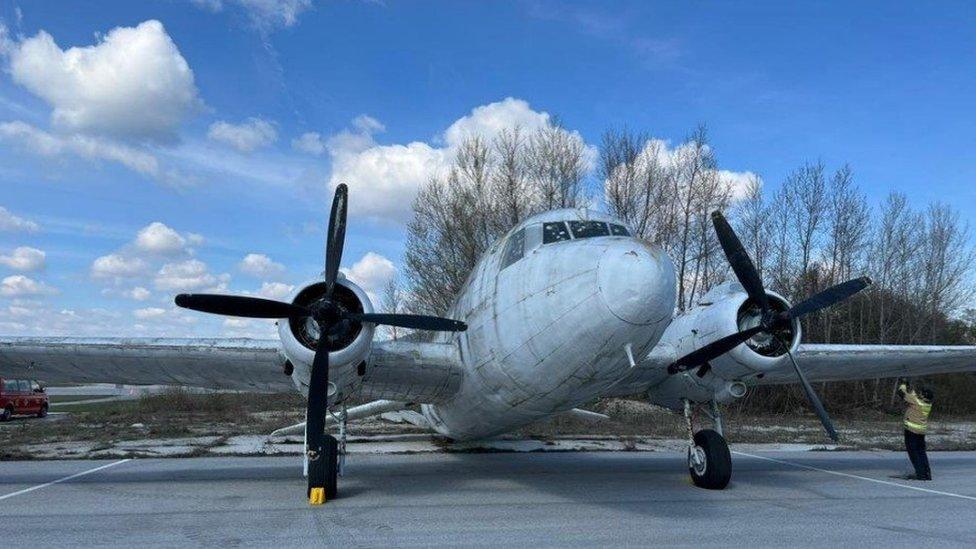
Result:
554,232
514,248
618,230
588,229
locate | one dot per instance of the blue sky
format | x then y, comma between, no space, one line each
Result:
191,115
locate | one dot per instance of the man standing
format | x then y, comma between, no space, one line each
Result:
919,402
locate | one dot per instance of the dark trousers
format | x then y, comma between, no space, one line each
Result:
915,444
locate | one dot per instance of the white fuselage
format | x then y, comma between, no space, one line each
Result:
551,331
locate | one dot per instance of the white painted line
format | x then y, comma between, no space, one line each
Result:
69,477
848,475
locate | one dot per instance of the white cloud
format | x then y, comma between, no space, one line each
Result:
149,313
157,238
188,275
372,272
309,142
275,290
24,258
12,223
43,143
133,83
117,266
260,266
137,294
670,156
21,286
384,179
265,15
254,133
487,121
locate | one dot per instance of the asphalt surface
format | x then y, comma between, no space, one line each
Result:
542,499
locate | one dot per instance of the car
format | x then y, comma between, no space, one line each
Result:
22,397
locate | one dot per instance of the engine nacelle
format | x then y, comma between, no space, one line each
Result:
299,338
724,311
727,310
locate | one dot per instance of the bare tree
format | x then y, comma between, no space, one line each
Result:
489,187
393,302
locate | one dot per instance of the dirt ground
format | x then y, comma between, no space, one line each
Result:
214,418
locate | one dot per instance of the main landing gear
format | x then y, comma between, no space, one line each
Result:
709,459
324,468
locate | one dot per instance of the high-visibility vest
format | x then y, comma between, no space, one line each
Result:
917,413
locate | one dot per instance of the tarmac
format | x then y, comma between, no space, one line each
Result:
501,499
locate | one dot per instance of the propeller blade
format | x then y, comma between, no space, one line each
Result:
713,350
813,398
316,408
828,297
235,305
414,322
336,237
742,266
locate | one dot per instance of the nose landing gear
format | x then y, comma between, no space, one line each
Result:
709,459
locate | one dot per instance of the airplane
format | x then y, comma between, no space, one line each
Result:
567,307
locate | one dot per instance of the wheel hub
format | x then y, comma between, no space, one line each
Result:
697,460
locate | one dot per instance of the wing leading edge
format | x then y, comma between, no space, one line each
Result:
850,362
237,364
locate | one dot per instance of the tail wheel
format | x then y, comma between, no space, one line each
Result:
709,461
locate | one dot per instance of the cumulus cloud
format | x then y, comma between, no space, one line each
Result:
133,83
254,133
385,178
137,294
12,223
24,258
21,286
372,272
487,121
117,266
157,238
260,266
662,152
275,290
189,275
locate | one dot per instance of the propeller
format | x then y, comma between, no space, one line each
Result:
331,318
747,275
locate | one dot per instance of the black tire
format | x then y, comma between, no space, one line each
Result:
715,471
43,411
6,413
332,462
325,471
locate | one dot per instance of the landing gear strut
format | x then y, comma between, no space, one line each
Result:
322,469
709,459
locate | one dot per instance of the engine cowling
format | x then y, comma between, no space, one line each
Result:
724,311
299,338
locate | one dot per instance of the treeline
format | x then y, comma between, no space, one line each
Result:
813,230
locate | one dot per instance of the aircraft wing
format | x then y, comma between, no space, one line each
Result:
826,363
848,362
238,364
398,370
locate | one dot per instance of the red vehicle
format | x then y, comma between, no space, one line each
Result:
22,397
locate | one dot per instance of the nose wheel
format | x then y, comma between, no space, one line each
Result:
709,459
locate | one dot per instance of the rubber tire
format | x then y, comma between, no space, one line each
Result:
6,414
332,462
718,461
328,475
43,411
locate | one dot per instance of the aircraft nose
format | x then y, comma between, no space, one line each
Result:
637,282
